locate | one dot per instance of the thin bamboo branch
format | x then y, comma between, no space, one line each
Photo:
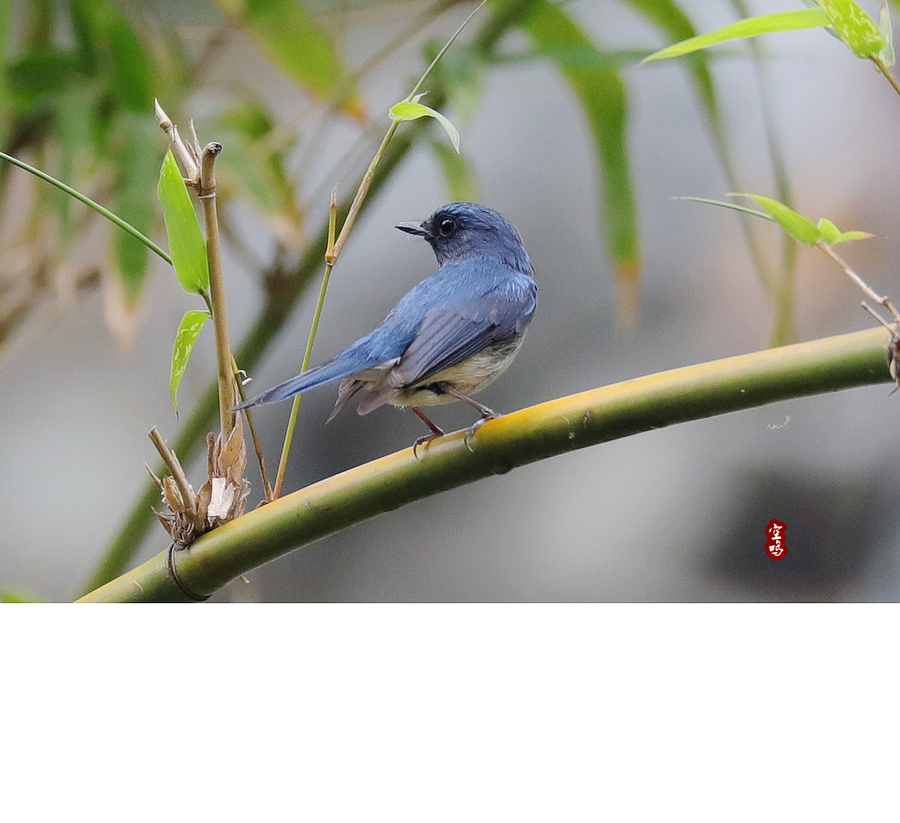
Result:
330,260
863,286
254,436
184,153
174,466
880,65
207,197
552,428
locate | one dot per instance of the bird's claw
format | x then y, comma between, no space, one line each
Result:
476,426
425,439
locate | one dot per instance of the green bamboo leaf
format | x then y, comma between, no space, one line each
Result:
413,110
132,69
853,26
831,235
725,205
183,229
828,232
886,55
458,174
796,225
664,14
188,330
601,93
250,118
290,38
84,31
852,235
801,228
742,29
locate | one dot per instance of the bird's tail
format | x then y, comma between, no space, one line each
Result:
344,365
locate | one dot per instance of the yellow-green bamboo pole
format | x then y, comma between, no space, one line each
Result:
551,428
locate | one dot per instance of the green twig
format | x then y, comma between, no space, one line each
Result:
549,429
334,248
102,210
443,51
880,65
254,436
881,300
307,355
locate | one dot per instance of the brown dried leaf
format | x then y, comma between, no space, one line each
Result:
157,482
171,496
210,454
232,456
203,498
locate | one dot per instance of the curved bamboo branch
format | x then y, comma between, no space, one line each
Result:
532,434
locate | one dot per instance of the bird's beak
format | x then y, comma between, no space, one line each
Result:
417,227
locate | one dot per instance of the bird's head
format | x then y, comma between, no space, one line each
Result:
464,229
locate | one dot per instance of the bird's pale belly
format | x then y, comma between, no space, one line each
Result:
467,378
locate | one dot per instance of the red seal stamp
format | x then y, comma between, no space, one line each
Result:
776,547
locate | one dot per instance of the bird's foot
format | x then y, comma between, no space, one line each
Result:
436,431
486,415
426,438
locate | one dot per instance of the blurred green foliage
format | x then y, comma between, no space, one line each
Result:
80,77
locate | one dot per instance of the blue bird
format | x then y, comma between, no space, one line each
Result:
450,336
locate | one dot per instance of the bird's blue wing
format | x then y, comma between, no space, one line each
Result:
459,327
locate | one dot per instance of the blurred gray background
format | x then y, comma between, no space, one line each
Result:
673,515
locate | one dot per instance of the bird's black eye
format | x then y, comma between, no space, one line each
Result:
446,227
